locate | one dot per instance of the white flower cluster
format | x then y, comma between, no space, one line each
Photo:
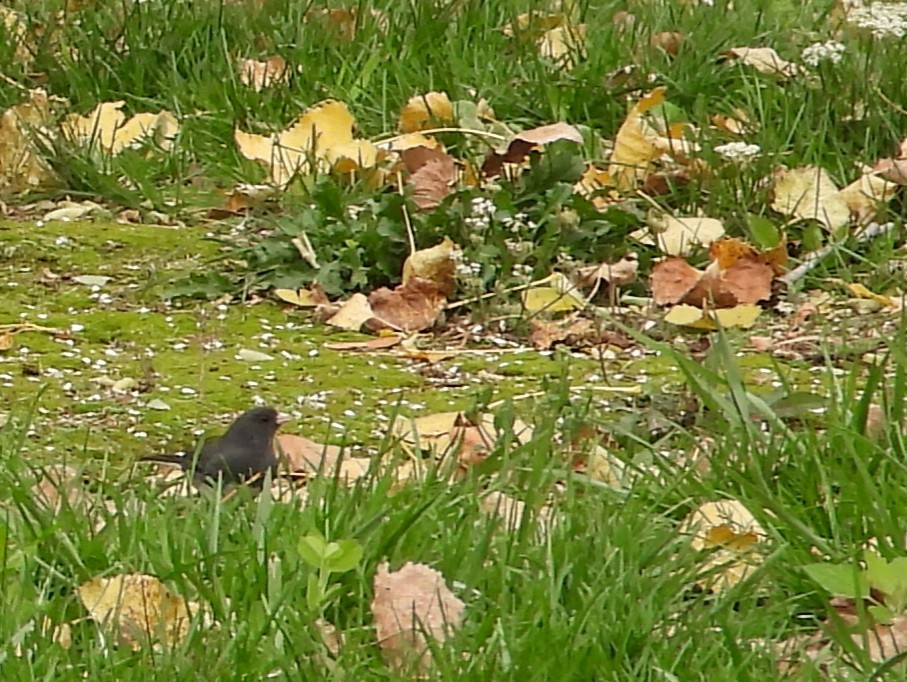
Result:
738,150
829,51
466,270
516,221
888,19
481,212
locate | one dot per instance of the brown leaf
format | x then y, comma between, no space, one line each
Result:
433,180
58,484
672,279
379,343
260,75
546,334
411,307
617,274
748,281
410,605
437,264
524,142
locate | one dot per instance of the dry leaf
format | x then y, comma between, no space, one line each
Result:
410,605
139,608
320,140
381,342
59,485
563,44
634,147
107,129
741,316
512,511
677,235
423,110
809,193
668,41
553,294
437,264
432,175
763,59
260,75
731,531
866,196
24,129
617,274
352,314
304,298
411,307
524,142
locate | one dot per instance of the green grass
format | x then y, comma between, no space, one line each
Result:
610,594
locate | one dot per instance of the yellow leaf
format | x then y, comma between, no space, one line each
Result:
861,291
107,128
677,235
809,193
743,316
563,44
634,149
560,296
139,607
422,110
323,135
732,533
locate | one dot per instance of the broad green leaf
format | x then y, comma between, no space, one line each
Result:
763,231
312,549
841,580
349,555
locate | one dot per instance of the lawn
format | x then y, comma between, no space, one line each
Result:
621,496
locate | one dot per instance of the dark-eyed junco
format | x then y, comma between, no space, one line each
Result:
243,454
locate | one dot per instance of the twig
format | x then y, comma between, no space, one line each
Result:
630,390
465,131
406,221
813,258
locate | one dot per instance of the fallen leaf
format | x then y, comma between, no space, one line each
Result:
410,606
866,196
511,513
553,294
378,343
260,75
524,142
353,313
249,355
809,193
437,264
107,128
432,175
422,110
320,140
731,532
742,316
59,485
411,307
563,44
667,41
860,291
92,280
24,129
634,149
303,298
139,608
617,274
677,235
764,60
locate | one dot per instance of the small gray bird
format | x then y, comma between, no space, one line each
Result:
243,454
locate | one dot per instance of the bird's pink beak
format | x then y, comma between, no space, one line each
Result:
283,418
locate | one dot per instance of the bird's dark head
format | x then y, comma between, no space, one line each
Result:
259,421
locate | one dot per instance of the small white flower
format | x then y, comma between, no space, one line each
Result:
883,20
738,150
829,51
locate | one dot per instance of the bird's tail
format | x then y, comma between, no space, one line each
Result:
179,460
